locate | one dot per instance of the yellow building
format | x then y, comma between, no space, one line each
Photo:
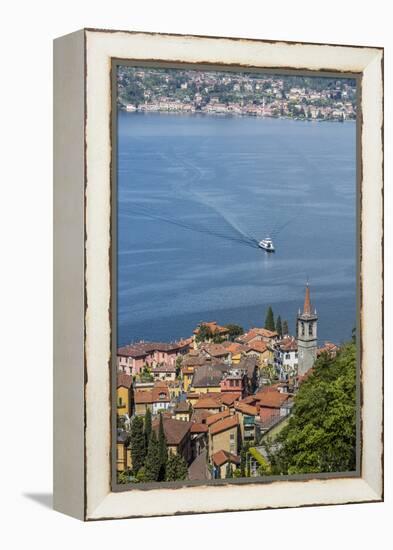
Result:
220,461
236,350
207,378
262,351
187,373
182,411
224,436
123,452
124,394
174,390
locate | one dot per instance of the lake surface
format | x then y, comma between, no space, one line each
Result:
195,191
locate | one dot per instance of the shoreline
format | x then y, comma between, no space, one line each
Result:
232,115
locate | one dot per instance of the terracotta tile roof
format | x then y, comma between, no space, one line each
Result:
156,395
269,418
257,332
328,348
216,417
222,457
258,345
175,430
213,326
164,368
198,428
222,425
234,347
265,413
141,349
192,395
288,344
215,350
207,403
160,384
246,409
182,407
124,380
229,398
271,399
272,387
250,399
200,416
197,360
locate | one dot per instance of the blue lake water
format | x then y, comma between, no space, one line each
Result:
194,190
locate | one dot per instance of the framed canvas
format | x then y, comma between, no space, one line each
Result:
218,265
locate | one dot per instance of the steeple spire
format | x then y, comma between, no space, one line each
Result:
307,301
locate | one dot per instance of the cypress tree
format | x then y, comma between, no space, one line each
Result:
137,444
269,321
229,471
147,426
279,326
163,450
176,469
152,464
285,329
243,458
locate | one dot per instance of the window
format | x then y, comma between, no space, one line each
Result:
302,328
120,401
310,329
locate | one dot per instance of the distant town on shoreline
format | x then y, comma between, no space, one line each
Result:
236,93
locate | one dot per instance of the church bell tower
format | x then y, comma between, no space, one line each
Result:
306,335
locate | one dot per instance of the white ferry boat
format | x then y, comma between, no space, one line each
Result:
267,244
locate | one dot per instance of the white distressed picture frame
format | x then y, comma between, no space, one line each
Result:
82,241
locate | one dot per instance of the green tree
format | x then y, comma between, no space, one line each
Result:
163,450
269,321
137,444
140,476
176,469
152,463
147,426
204,333
279,326
285,329
243,458
179,361
321,434
229,471
234,331
123,477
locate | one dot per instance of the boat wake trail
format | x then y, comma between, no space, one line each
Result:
196,183
240,240
192,188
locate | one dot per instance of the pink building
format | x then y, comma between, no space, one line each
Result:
133,358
